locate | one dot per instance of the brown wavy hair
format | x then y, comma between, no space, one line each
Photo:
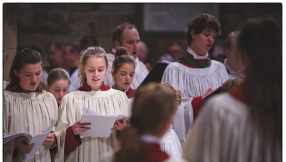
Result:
122,57
152,106
199,23
22,58
260,43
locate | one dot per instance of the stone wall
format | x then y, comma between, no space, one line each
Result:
40,23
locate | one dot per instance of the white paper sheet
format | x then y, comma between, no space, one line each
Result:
100,125
37,139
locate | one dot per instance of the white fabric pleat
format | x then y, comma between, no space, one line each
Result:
183,119
194,82
28,113
111,102
223,132
171,144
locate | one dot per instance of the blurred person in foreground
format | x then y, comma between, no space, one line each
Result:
246,123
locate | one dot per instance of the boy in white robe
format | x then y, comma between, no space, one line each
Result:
195,74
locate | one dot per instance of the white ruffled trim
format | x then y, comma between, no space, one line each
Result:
171,144
149,138
232,73
196,56
194,82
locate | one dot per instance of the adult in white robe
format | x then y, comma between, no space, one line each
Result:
110,102
31,113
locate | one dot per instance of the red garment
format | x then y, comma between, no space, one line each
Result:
73,141
86,87
197,104
130,93
153,153
237,93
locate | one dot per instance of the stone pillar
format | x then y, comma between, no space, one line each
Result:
9,35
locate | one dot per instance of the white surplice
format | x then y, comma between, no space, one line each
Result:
110,102
171,144
192,82
223,132
28,113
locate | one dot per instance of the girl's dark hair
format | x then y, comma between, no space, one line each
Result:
22,58
122,57
152,105
118,30
260,42
199,23
58,74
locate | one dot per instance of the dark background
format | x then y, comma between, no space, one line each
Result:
35,24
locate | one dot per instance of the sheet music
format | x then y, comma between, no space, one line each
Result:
38,140
100,124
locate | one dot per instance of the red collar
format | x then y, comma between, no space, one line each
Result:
130,93
16,89
238,93
86,87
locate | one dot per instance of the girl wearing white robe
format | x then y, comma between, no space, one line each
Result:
27,107
102,100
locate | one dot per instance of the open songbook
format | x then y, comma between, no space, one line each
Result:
100,124
37,139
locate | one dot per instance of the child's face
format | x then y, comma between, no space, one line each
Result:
30,76
95,70
124,76
59,89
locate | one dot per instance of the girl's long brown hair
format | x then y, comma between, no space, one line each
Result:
260,42
152,106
